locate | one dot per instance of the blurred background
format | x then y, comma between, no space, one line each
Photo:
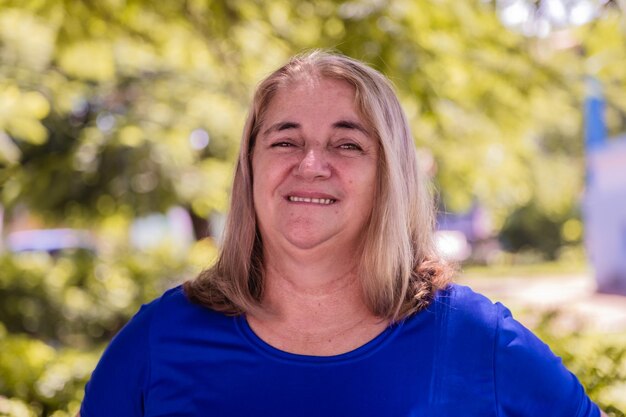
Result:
120,122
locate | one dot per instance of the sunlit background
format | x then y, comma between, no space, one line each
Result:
120,122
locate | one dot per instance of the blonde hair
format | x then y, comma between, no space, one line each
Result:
400,269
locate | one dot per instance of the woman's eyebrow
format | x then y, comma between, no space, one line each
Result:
277,127
340,124
349,124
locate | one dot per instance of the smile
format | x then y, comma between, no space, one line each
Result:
323,201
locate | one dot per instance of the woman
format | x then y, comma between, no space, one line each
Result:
328,297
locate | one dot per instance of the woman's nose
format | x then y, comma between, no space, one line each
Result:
314,164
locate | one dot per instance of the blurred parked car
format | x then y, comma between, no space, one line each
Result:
50,240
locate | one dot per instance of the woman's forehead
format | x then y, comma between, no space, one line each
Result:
297,90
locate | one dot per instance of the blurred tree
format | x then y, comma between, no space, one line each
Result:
134,106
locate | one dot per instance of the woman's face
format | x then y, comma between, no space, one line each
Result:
314,166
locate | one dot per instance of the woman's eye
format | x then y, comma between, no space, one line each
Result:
282,144
350,146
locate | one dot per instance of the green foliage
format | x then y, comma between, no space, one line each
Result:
43,380
531,228
101,105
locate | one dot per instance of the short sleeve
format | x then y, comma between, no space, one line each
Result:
118,384
530,379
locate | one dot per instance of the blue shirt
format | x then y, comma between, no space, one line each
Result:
463,356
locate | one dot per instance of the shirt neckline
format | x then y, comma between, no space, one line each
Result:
360,352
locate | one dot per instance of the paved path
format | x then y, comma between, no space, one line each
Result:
572,295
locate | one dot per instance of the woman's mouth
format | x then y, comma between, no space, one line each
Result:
322,201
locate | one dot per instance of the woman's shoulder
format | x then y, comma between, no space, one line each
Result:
174,309
461,294
461,304
172,300
482,347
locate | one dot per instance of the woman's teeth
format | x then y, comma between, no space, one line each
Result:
324,201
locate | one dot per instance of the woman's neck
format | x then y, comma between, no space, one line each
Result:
314,310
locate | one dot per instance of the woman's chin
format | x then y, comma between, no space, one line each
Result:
307,242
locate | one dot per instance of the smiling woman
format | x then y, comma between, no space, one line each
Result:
329,297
